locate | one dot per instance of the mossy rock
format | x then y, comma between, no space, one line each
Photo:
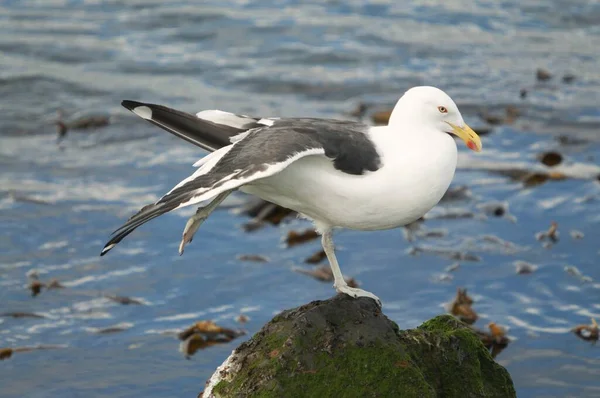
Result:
345,347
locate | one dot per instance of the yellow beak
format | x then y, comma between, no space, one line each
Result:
467,134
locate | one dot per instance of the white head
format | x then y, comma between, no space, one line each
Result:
432,108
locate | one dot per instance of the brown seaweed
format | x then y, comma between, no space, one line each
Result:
446,253
204,334
461,307
542,75
551,158
324,274
242,318
495,340
82,123
123,299
587,332
295,238
255,258
316,257
263,212
6,353
22,315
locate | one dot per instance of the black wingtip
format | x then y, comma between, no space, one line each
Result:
131,104
107,248
146,214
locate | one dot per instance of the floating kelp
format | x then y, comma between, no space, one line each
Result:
551,158
123,299
81,123
295,238
511,113
22,315
543,75
36,286
255,258
415,230
121,327
324,274
6,353
198,342
262,212
316,257
523,93
495,340
210,329
242,318
19,197
532,175
381,117
534,179
587,332
457,193
444,252
204,334
461,308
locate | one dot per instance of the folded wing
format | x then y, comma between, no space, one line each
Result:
260,148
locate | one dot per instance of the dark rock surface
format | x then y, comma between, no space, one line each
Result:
344,347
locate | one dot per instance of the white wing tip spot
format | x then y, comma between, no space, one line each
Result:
143,111
107,248
210,114
266,122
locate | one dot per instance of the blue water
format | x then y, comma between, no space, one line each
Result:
282,58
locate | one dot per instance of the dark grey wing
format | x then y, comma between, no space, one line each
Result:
263,152
346,143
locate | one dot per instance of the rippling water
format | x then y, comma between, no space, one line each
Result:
58,204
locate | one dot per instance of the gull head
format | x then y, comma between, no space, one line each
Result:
432,108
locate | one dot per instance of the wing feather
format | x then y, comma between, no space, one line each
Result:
260,148
200,189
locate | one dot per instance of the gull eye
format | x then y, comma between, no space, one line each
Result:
442,109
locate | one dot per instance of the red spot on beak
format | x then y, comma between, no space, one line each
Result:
472,146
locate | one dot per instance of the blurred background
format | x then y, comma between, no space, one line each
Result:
74,166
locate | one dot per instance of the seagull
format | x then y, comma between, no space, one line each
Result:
338,173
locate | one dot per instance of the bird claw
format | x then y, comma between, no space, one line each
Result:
189,231
356,293
198,219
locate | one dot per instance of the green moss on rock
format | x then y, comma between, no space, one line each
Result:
346,347
454,361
